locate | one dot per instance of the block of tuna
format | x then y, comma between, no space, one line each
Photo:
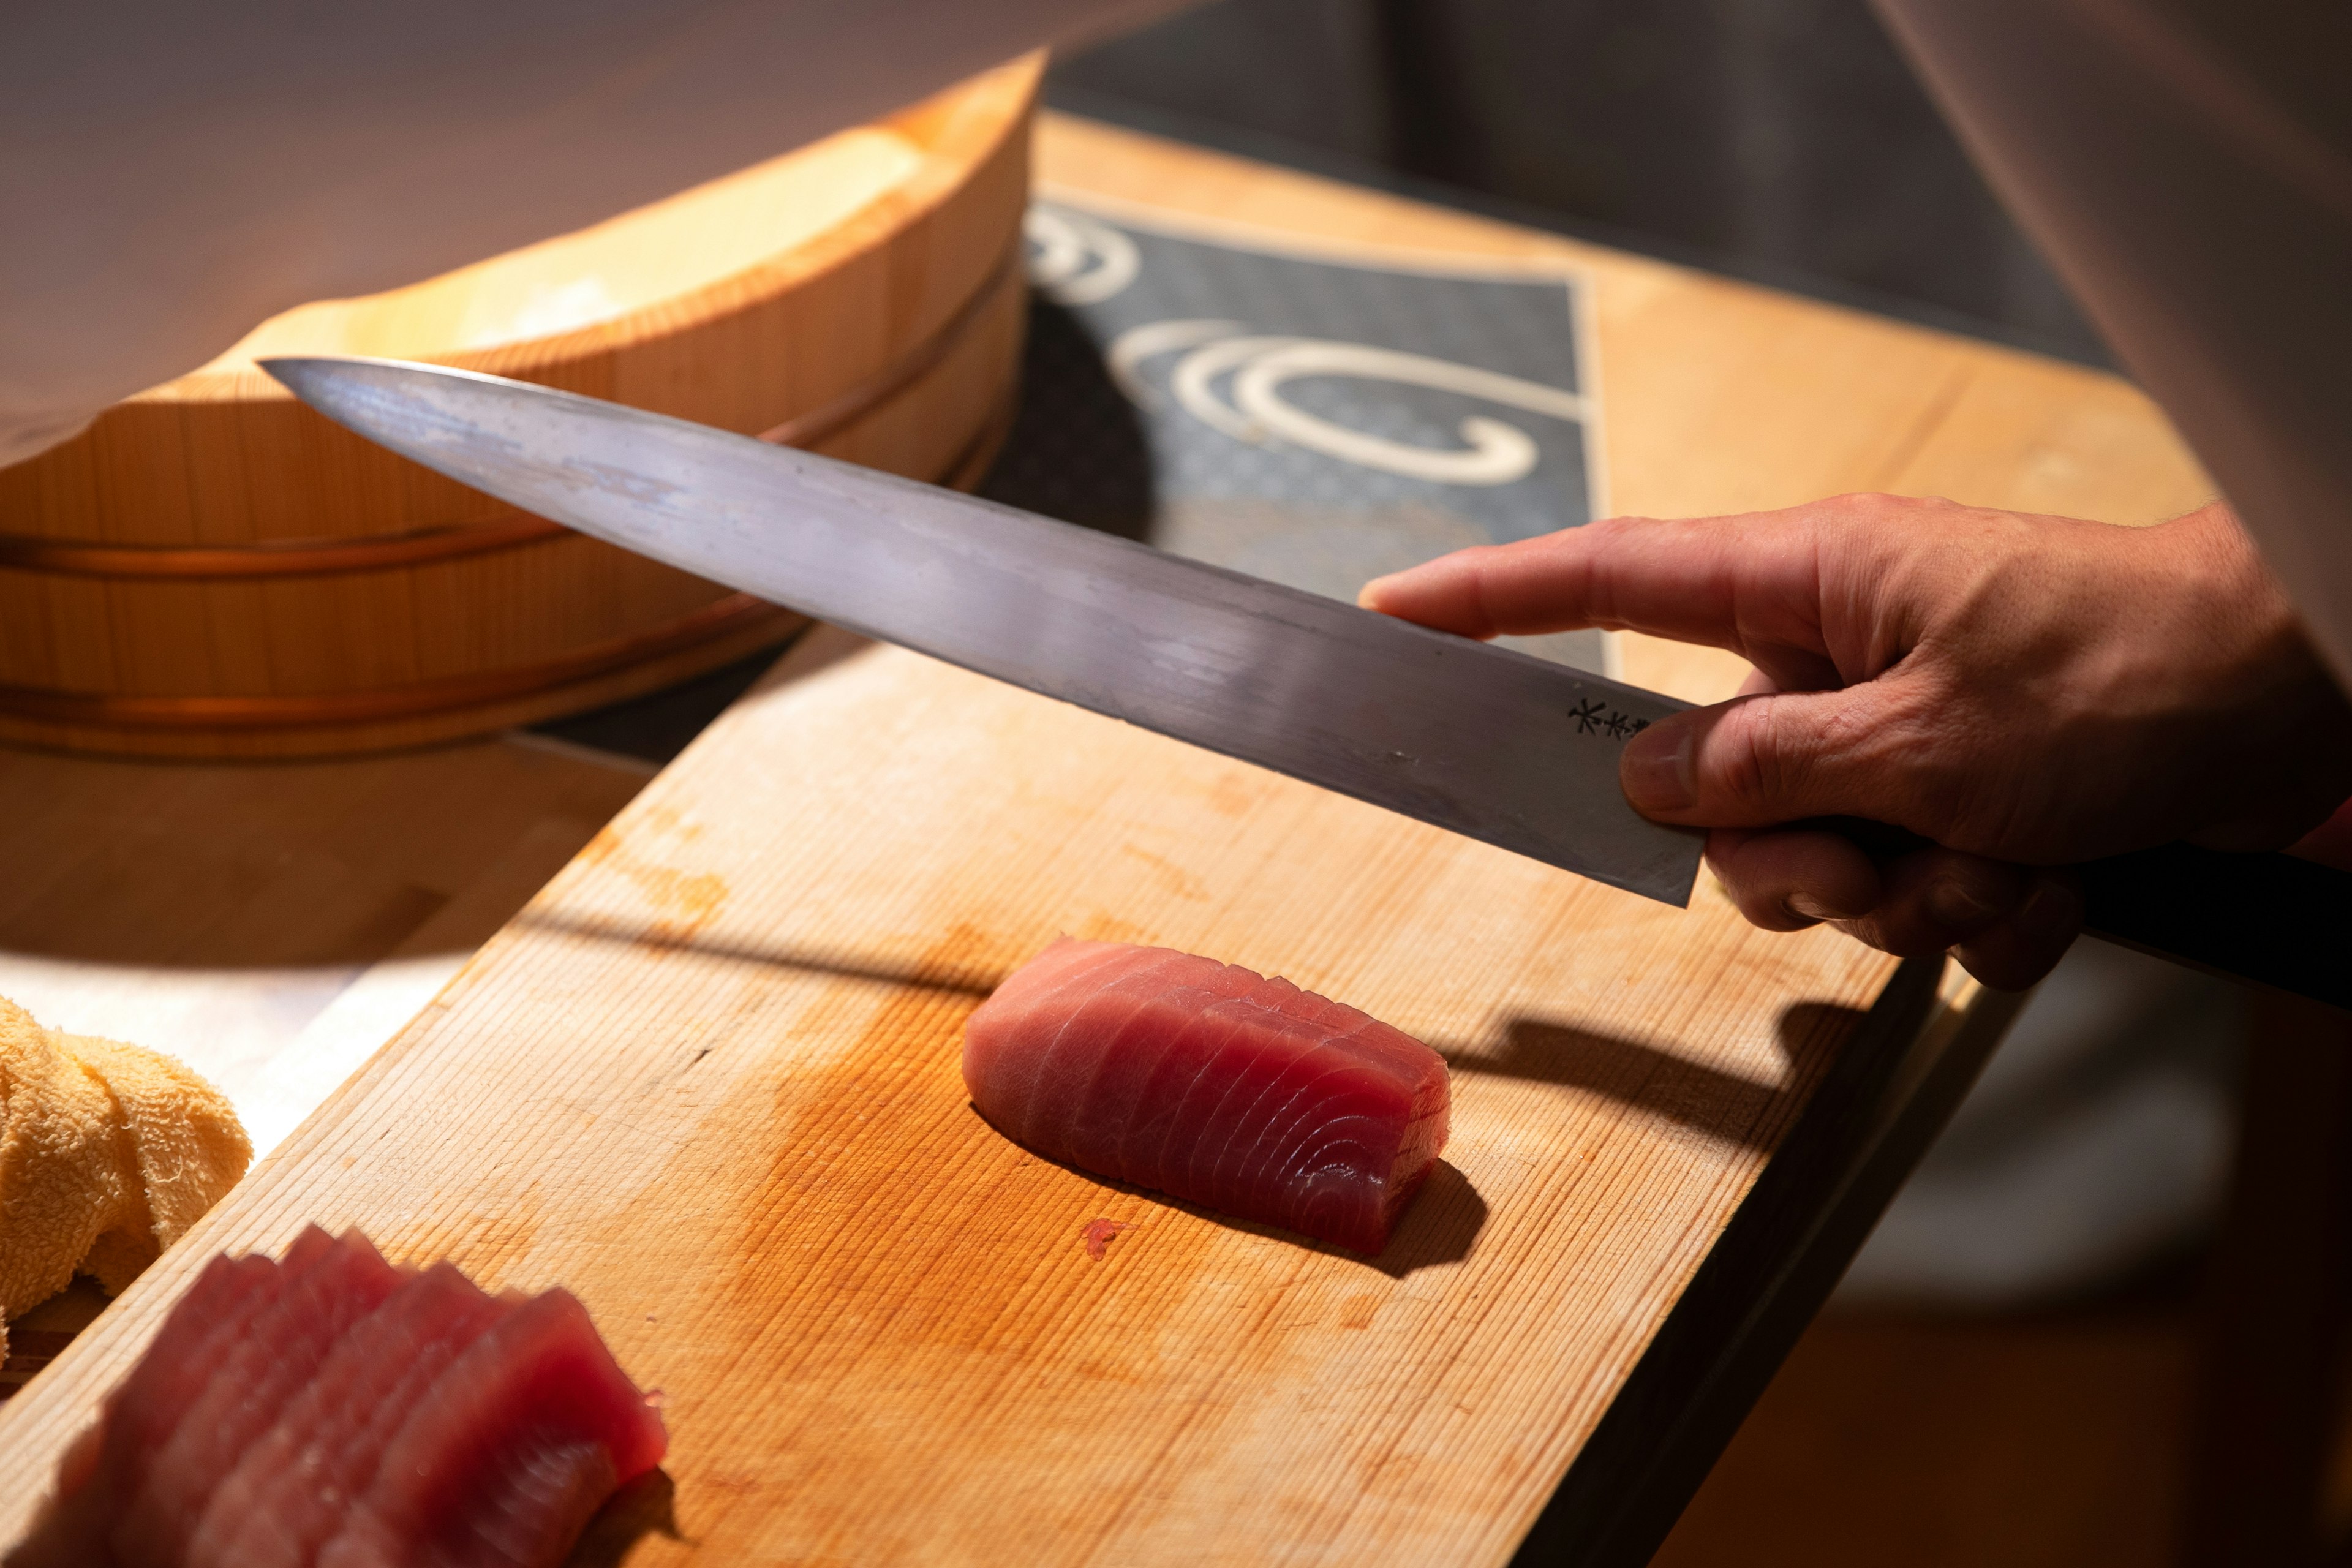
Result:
1212,1084
330,1411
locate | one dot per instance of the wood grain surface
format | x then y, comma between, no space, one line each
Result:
708,1078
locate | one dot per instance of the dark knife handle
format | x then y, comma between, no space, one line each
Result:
2268,919
2265,919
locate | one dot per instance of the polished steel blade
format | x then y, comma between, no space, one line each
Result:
1477,739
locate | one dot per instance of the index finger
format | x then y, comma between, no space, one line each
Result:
1752,584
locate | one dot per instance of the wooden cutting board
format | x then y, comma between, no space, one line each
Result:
708,1080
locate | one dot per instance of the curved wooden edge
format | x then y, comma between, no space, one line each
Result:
330,557
275,557
296,743
131,723
958,144
962,146
716,619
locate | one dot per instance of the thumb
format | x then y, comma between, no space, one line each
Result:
1769,758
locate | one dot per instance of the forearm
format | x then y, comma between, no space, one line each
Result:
173,174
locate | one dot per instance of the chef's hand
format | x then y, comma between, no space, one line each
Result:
2023,691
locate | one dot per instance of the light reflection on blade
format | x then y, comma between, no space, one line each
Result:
1480,741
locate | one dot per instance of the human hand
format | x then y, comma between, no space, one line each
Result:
2022,691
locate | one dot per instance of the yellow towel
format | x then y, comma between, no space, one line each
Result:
108,1153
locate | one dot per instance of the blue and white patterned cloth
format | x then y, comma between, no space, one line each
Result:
1304,420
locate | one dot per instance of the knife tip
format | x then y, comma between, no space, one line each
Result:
293,371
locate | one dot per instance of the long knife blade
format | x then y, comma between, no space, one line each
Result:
1481,740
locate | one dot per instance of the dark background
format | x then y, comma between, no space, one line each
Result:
1784,140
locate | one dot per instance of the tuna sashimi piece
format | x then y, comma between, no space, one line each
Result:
515,1448
282,1346
105,1463
332,1410
293,1490
144,1412
1211,1083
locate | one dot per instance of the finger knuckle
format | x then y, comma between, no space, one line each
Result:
1769,759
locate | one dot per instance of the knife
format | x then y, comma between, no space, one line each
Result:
1480,741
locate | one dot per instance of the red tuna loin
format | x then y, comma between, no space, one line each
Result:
428,1424
1211,1083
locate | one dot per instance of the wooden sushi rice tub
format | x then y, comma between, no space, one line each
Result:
212,569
